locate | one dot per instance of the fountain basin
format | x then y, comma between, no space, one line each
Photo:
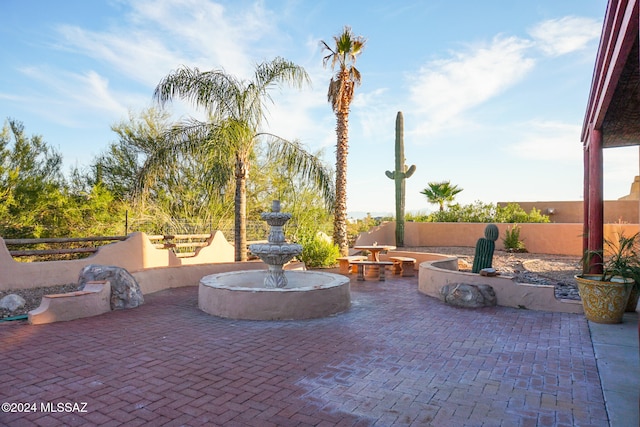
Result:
241,295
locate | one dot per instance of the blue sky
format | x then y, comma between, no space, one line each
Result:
493,92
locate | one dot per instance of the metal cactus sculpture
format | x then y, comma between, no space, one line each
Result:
483,257
399,175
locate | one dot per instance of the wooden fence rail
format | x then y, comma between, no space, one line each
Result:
62,240
58,240
169,242
180,242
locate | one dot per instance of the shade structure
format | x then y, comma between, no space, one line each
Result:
612,116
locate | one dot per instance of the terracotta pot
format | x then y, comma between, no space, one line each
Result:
633,300
603,302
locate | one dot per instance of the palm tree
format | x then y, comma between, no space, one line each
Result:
236,110
440,193
341,89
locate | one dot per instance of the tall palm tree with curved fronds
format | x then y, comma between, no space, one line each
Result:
342,55
236,111
440,193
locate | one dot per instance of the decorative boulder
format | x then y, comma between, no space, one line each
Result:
125,290
468,296
12,302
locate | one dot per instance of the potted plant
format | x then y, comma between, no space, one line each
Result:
605,296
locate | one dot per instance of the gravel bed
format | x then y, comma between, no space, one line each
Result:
33,297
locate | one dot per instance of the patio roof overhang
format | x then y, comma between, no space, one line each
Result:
612,117
613,106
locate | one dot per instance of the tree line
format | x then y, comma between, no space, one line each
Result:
195,175
39,200
160,174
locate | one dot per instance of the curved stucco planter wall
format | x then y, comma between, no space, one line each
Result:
436,273
135,254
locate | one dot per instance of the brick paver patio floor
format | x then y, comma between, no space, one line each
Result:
397,357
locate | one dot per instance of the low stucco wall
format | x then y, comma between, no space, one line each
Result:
443,270
614,211
156,279
93,300
135,254
550,238
418,256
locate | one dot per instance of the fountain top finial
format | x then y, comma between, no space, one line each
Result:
275,206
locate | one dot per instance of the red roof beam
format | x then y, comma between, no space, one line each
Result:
619,32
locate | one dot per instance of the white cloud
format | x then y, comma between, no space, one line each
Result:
160,36
565,35
375,115
151,40
207,34
138,56
443,89
76,95
97,93
291,117
548,141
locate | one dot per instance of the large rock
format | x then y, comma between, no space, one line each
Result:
125,290
12,302
468,296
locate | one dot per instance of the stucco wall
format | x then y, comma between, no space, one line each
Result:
559,239
615,211
135,254
150,265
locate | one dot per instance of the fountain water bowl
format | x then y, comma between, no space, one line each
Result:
241,295
274,294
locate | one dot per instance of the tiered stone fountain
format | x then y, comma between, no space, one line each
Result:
274,294
277,252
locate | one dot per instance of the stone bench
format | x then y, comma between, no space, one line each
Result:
374,265
346,261
93,300
404,266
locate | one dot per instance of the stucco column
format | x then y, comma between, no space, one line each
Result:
596,205
585,200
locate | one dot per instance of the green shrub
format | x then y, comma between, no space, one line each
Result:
364,224
512,212
476,212
486,212
512,241
419,216
317,252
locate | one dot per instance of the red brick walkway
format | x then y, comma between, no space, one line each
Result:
397,357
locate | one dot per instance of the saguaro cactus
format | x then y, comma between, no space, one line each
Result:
399,175
485,246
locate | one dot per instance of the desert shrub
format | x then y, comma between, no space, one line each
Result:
318,251
419,216
476,212
361,225
513,213
512,241
486,212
